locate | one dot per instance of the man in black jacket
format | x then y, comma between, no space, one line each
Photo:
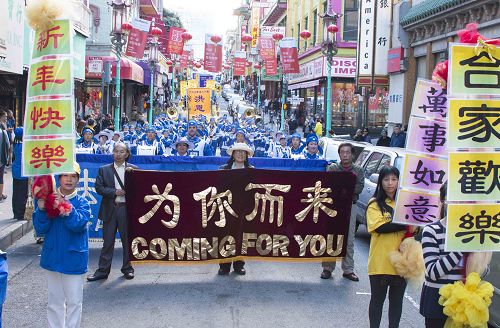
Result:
110,184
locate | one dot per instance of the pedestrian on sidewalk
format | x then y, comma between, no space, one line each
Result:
385,238
19,182
110,184
346,153
4,151
65,253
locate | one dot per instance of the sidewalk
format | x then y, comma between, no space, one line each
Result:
10,229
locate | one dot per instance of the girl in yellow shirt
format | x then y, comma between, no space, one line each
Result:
385,237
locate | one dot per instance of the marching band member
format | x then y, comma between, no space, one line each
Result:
311,150
87,140
282,150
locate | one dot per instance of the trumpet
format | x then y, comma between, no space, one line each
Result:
173,113
249,112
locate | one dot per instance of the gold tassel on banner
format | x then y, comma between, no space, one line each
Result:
30,205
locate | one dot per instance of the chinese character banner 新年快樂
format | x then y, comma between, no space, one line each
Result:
228,214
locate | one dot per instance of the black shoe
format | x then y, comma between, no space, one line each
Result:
223,272
351,276
95,277
128,275
240,271
326,274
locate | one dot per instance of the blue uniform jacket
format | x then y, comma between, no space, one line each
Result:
66,247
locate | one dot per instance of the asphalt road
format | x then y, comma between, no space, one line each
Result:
270,295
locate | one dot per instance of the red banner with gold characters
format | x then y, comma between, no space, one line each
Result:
49,129
175,42
184,61
237,214
289,56
213,55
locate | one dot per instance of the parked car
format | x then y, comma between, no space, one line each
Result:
372,159
330,147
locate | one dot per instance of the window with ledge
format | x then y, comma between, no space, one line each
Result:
350,19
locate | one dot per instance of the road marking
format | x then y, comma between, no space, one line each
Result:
361,293
412,301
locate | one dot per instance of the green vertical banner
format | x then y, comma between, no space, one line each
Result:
49,135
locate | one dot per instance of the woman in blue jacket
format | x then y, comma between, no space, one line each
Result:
65,253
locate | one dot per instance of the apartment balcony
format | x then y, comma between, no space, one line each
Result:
150,7
81,17
275,13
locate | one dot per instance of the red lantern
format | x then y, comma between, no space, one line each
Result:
156,31
215,39
305,34
126,27
246,38
249,64
332,28
277,36
186,36
198,65
168,62
256,66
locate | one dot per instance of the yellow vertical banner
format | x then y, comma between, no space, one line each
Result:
199,102
49,119
192,84
184,87
210,84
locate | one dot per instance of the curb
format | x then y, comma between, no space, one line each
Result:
15,231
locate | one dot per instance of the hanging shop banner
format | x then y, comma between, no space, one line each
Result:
472,72
240,60
427,136
473,227
185,58
416,207
138,38
199,102
213,55
238,214
474,123
289,56
267,48
474,177
48,146
366,42
175,42
430,100
255,26
271,66
383,25
90,164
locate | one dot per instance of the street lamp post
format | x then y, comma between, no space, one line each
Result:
153,59
284,88
257,66
119,32
329,49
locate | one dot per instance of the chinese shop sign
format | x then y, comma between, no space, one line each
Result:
48,146
213,55
237,214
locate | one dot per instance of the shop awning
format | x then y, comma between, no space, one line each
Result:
129,70
303,85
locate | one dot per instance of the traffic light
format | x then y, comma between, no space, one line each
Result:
285,106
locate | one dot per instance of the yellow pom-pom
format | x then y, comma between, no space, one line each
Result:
408,261
466,304
40,14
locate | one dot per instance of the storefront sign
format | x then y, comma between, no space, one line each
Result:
394,58
341,67
255,26
268,31
95,65
213,55
382,35
396,91
367,29
226,216
12,36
